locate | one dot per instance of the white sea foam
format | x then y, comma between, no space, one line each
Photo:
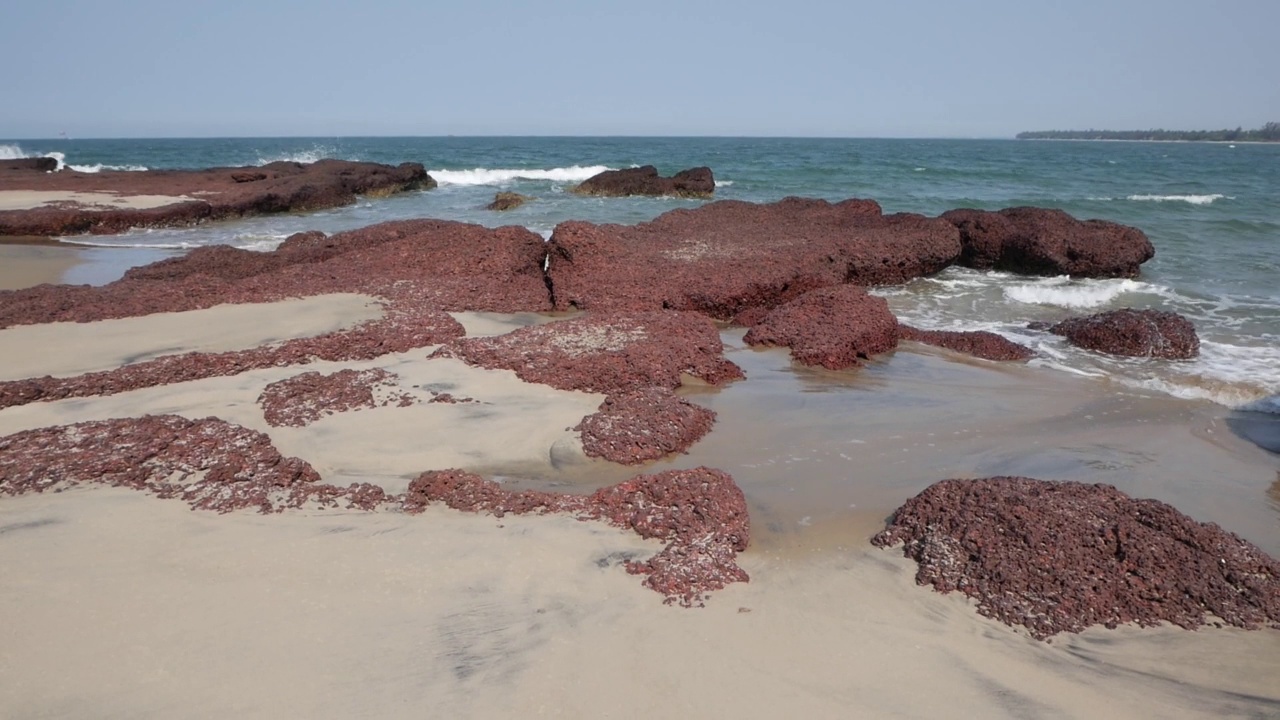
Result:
1193,199
1064,292
11,152
501,176
99,167
319,152
723,183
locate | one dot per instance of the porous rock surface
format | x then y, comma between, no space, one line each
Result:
978,343
208,463
215,193
701,514
696,182
731,257
834,327
636,426
1041,241
1134,333
1062,556
303,399
605,352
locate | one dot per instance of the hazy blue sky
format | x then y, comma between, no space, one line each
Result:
145,68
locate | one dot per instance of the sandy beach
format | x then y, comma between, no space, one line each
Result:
129,605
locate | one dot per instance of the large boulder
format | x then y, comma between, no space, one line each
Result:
728,257
835,327
1041,241
1133,333
1062,556
32,164
692,183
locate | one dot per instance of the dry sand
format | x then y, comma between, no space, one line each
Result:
119,604
33,199
25,265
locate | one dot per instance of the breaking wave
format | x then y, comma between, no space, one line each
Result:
500,176
1193,199
1067,293
315,154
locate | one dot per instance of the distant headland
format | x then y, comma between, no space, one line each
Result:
1267,133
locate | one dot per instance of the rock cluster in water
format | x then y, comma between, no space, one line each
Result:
1133,333
696,182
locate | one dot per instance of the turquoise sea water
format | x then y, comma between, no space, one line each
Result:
1212,211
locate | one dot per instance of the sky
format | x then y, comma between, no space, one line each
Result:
893,68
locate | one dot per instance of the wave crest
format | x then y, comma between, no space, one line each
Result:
1063,292
1193,199
501,176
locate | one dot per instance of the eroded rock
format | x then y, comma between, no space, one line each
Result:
836,327
303,399
1041,241
978,343
638,426
1133,333
696,182
1062,556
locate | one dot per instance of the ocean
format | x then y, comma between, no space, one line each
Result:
1212,211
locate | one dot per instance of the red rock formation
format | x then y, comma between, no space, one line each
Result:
1062,556
217,193
605,352
979,343
303,399
637,426
700,513
692,183
1134,333
1040,241
31,164
729,257
836,327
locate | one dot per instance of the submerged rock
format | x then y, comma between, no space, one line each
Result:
978,343
1133,333
1062,556
1040,241
504,201
692,183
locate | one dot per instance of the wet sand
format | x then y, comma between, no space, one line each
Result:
27,265
125,605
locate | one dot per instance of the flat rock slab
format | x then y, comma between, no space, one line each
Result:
730,257
1040,241
303,399
701,514
1062,556
1133,333
37,202
978,343
637,426
836,327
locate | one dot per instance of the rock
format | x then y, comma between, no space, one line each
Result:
730,257
605,352
638,426
504,201
32,164
835,327
202,195
1133,333
692,183
700,513
303,399
978,343
1061,556
1040,241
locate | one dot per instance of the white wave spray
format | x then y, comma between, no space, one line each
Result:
500,176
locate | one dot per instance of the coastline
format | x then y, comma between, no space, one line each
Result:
339,613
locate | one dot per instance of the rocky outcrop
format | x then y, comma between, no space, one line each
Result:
1133,333
701,514
836,327
692,183
978,343
200,195
730,257
32,164
1060,557
1040,241
504,201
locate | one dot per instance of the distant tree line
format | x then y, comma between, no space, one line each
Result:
1267,133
